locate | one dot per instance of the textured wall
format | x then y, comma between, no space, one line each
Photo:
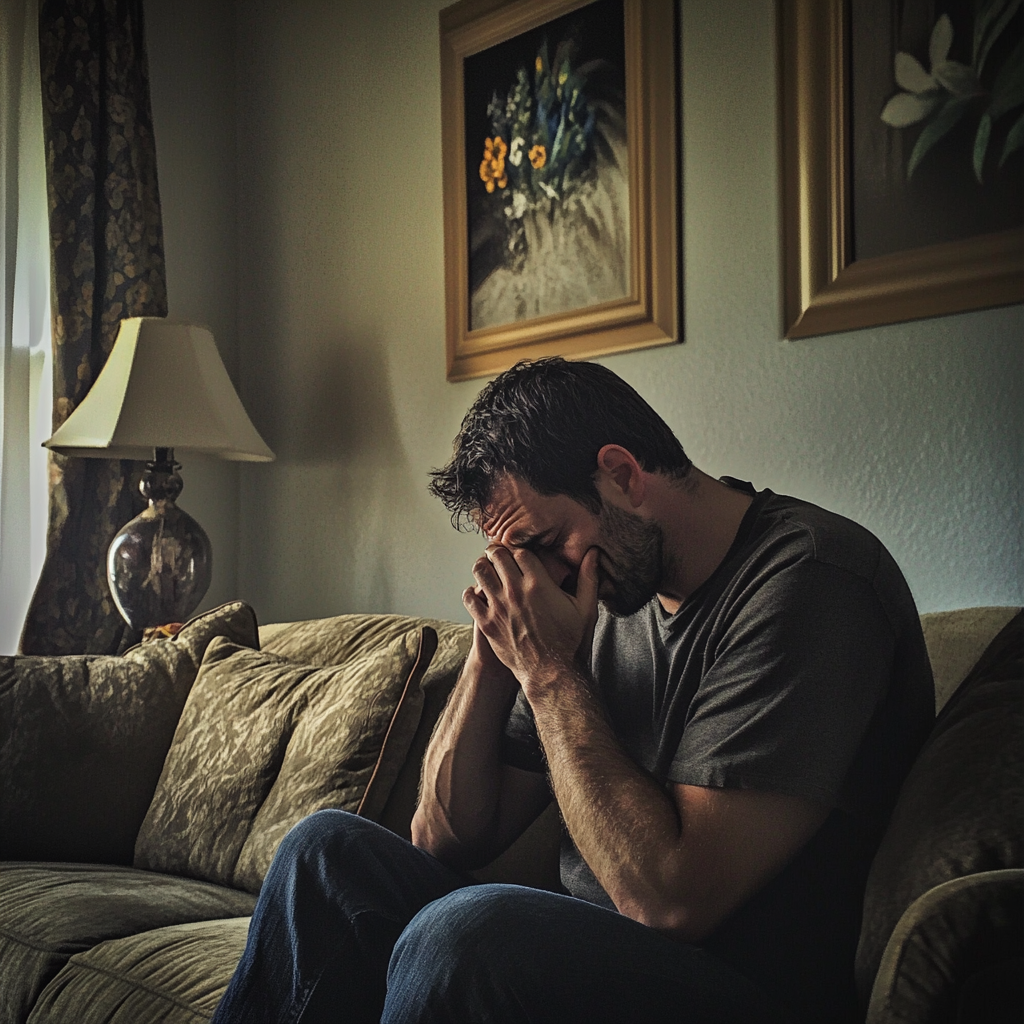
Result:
915,429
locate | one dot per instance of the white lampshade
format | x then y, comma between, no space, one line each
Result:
163,386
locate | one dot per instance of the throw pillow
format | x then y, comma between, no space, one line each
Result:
264,741
83,739
961,806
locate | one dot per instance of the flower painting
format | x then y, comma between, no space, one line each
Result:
547,169
938,121
902,140
560,179
944,95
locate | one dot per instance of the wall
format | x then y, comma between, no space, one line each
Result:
191,46
915,430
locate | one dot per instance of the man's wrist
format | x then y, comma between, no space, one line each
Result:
495,678
555,681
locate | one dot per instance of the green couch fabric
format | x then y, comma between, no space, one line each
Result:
264,741
173,975
53,911
957,639
945,938
338,639
959,814
83,739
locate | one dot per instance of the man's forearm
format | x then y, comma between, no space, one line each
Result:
458,815
625,826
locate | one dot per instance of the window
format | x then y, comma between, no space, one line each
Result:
25,367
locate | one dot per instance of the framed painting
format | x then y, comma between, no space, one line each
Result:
560,169
901,160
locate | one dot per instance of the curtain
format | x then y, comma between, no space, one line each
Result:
107,260
25,328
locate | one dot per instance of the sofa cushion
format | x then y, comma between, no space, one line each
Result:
961,806
83,739
53,911
264,741
341,638
947,943
956,640
173,975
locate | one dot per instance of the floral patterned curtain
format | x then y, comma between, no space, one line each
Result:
106,240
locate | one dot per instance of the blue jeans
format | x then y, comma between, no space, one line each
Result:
355,924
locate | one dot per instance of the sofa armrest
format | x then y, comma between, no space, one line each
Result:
945,938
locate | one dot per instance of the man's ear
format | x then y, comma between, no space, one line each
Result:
619,476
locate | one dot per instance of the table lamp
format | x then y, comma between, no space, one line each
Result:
163,388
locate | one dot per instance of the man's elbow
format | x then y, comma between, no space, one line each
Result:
684,921
420,831
427,835
437,838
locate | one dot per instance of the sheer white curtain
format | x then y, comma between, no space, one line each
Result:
25,387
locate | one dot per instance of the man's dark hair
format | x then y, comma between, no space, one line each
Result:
544,422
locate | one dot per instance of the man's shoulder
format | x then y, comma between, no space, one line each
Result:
792,528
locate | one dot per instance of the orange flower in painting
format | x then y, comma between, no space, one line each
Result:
538,157
492,167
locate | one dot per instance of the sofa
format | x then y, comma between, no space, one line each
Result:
144,795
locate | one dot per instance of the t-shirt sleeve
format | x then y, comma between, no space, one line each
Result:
520,745
793,686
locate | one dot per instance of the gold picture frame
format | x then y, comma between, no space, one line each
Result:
824,289
648,313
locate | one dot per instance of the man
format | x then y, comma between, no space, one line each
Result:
721,689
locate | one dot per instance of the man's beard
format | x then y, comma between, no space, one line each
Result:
632,560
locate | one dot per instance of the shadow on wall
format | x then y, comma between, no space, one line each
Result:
344,412
354,502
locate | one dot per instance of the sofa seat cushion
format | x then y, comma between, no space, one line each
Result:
173,975
264,741
83,740
53,911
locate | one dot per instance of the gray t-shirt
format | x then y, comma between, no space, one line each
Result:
798,667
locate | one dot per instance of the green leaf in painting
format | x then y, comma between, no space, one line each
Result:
992,19
982,16
1008,88
1014,139
948,116
981,144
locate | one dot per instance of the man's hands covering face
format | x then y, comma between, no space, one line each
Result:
533,626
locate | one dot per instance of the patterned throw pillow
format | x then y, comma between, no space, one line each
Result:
264,741
83,739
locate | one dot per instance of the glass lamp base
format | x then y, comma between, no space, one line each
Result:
160,564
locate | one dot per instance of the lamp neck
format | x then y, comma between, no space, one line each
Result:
161,481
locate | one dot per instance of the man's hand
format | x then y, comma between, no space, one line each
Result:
533,626
472,806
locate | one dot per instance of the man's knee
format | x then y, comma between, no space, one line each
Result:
461,946
319,832
322,842
478,916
